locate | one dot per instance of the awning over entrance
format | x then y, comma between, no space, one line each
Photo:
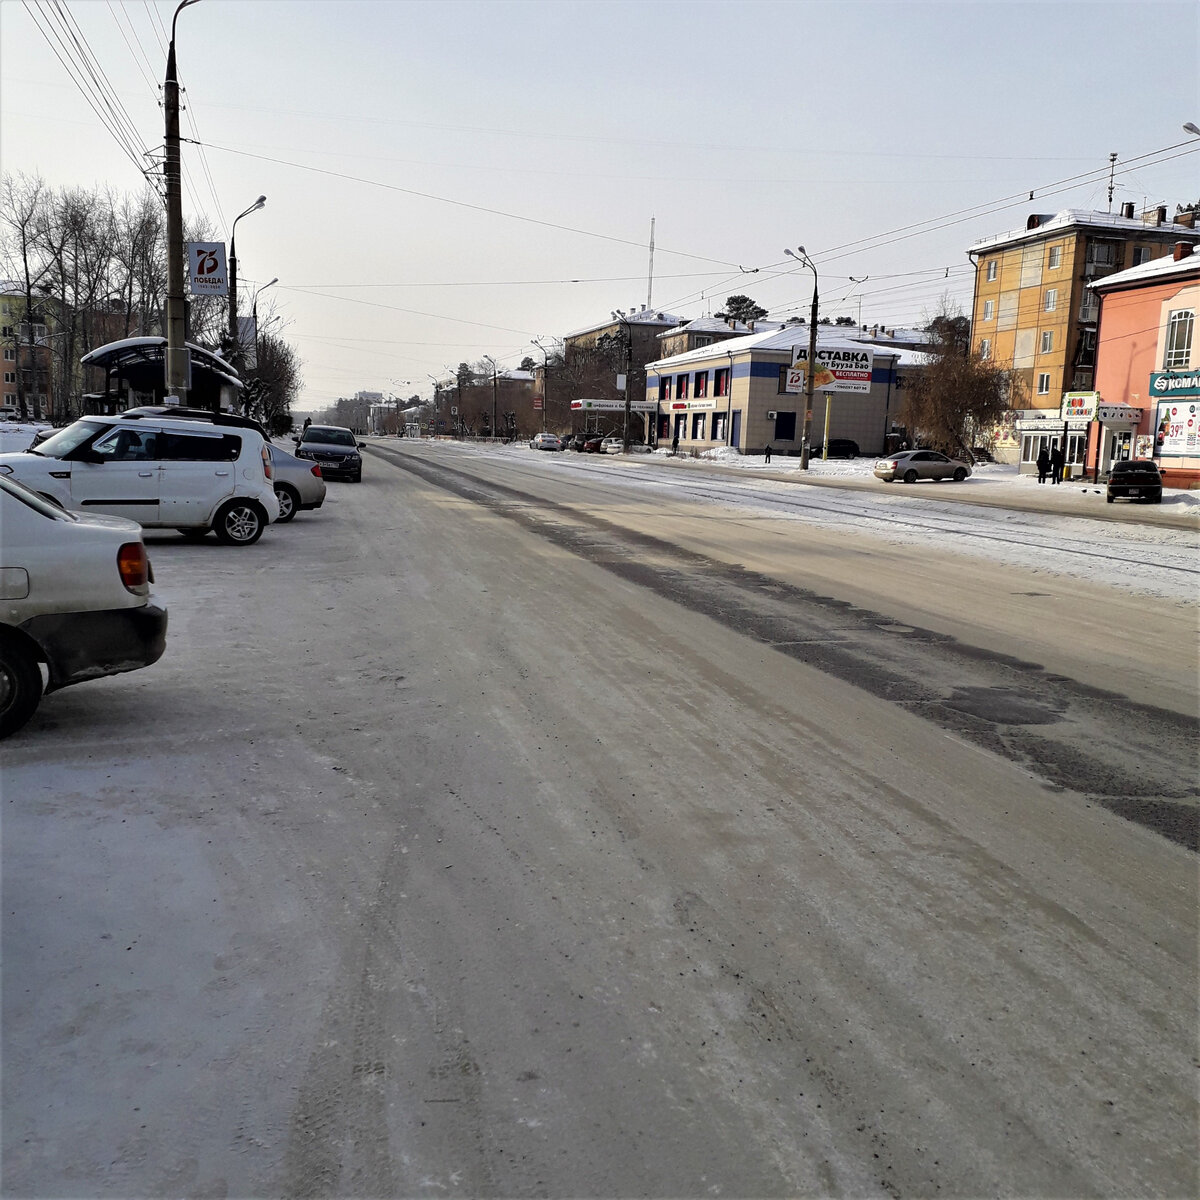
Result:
137,364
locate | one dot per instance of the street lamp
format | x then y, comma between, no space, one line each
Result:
619,315
1192,128
176,350
233,321
801,256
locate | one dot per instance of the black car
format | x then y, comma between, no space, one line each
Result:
1135,479
335,449
837,448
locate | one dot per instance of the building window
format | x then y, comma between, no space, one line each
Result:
985,348
1089,306
785,426
1047,341
1043,388
10,377
7,331
9,353
1179,340
700,385
681,388
1055,259
1141,254
721,381
993,268
718,430
698,427
989,310
702,340
1051,299
664,388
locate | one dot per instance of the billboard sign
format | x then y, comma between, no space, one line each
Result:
839,369
206,269
1175,383
1177,429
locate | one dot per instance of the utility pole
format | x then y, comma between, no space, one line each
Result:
495,382
177,353
620,316
545,381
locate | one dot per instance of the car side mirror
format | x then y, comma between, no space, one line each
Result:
362,445
88,455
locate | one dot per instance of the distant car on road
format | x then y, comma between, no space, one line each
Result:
594,444
77,600
836,448
335,448
545,441
910,465
1135,479
298,484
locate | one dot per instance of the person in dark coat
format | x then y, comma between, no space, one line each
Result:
1043,463
767,453
675,444
1057,459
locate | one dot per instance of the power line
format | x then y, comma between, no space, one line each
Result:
496,212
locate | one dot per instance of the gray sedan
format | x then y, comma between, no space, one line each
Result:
911,465
298,484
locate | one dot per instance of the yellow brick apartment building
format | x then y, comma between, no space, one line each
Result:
1033,310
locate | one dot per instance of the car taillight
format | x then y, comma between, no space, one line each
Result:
133,565
268,469
316,470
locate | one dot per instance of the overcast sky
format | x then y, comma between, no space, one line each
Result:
446,180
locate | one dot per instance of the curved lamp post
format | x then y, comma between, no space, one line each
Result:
495,384
233,321
801,256
545,379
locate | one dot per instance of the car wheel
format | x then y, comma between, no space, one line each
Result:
289,502
20,686
960,474
240,522
1156,499
1110,499
910,477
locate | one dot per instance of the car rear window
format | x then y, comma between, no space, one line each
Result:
332,437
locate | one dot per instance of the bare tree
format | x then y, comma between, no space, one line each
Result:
957,396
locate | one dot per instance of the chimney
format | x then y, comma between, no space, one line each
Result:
1161,213
750,326
1183,250
1127,210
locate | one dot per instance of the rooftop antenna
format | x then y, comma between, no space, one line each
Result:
650,280
1112,167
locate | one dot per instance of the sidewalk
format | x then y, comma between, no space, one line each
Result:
995,485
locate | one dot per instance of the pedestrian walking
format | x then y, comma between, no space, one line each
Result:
675,444
1043,463
1057,459
767,454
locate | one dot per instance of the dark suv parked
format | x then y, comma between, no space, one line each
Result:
837,448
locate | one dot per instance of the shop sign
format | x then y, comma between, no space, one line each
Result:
613,405
1118,414
1175,383
692,405
1079,406
206,269
838,370
1177,429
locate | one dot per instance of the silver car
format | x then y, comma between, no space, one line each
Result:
298,484
910,465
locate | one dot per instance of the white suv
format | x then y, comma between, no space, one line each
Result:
160,471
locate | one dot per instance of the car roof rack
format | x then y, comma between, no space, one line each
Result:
193,414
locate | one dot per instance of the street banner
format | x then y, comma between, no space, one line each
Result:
839,369
206,269
795,381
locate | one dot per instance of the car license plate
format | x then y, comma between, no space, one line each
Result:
1135,491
